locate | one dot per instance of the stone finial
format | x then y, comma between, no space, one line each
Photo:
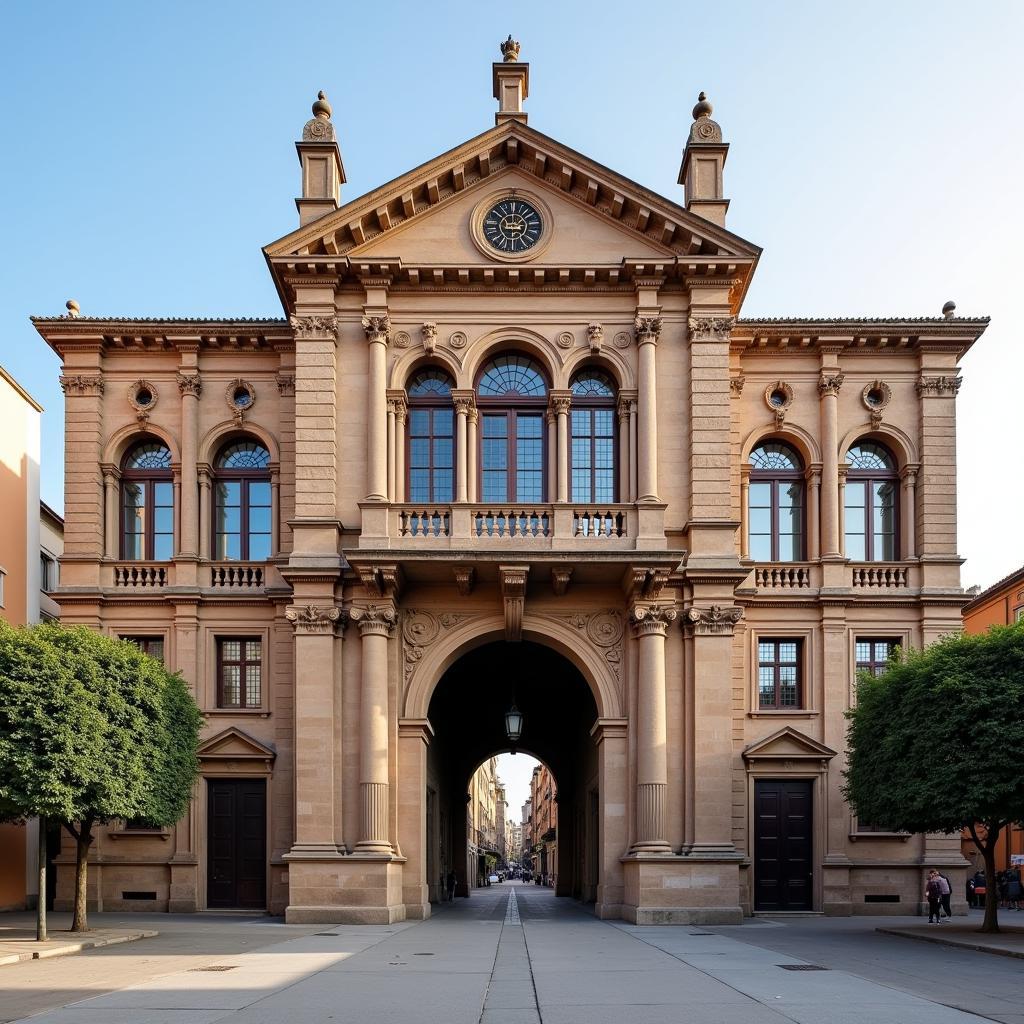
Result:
949,309
319,128
74,310
510,50
703,107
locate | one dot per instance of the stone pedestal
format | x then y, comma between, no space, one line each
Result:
344,890
678,890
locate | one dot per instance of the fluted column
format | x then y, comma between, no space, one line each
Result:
111,508
378,333
401,415
650,623
828,389
560,402
908,512
205,529
648,330
622,415
812,527
474,446
190,387
376,626
463,402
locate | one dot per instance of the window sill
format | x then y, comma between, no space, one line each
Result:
247,712
783,713
856,837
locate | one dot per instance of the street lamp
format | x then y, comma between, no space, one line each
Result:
513,725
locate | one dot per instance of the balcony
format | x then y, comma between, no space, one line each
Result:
879,576
483,526
783,576
235,576
141,575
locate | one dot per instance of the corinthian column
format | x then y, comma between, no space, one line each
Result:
376,625
648,330
191,388
828,389
463,402
650,623
560,402
378,332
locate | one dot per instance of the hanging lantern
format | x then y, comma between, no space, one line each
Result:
513,724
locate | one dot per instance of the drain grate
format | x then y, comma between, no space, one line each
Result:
215,967
423,954
332,934
700,933
802,967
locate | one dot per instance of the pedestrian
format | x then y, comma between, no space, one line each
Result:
970,891
947,892
1013,889
451,880
933,894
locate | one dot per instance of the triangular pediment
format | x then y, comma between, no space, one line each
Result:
788,744
234,745
623,220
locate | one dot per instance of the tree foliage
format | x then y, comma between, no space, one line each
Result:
936,742
91,729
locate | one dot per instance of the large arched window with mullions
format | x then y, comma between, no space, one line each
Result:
592,418
431,437
242,502
147,503
775,504
512,397
870,503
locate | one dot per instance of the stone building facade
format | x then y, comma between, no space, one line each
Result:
513,443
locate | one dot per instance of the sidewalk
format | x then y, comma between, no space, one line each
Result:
1008,942
18,939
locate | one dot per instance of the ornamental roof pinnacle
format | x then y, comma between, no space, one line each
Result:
74,310
321,108
949,309
510,50
703,107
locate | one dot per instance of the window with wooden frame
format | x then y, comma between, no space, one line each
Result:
512,399
779,670
592,452
870,504
775,504
872,653
431,437
242,503
151,645
239,672
147,503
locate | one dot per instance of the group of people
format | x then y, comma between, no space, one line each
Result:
937,891
1009,890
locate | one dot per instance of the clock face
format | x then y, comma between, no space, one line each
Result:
512,226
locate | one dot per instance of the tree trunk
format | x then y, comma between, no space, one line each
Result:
83,840
988,851
41,904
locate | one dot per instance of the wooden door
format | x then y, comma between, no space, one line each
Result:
236,843
783,845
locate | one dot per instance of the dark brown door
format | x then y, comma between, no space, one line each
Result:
236,836
783,869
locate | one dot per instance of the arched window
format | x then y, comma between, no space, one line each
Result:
512,395
431,437
775,506
592,457
871,503
147,503
242,502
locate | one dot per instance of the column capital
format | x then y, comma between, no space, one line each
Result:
712,621
647,329
829,384
81,384
398,404
937,386
909,472
622,408
651,619
189,384
375,619
464,399
315,328
560,402
711,328
312,618
377,328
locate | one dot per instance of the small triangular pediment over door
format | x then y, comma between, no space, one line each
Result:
234,745
788,744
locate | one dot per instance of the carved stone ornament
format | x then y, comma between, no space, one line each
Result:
429,334
240,397
595,335
703,128
647,329
319,128
561,404
314,328
736,384
464,579
711,328
939,385
713,620
513,594
458,340
402,339
565,340
560,577
604,629
190,384
419,630
142,397
830,384
81,384
651,619
463,404
286,384
876,396
778,397
622,339
510,50
313,619
375,619
377,328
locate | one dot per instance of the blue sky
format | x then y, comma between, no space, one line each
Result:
876,156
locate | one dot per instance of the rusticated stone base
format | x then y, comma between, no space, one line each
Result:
349,890
681,890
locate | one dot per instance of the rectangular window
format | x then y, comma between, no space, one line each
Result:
431,455
529,458
495,457
239,672
855,512
778,674
151,645
873,653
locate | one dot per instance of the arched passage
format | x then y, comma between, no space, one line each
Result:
467,716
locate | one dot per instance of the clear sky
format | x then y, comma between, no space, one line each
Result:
876,156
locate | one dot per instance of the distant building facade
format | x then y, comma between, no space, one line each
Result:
513,444
544,825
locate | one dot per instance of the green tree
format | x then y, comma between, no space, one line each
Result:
91,729
936,743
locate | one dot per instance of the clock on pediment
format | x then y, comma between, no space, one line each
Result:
511,225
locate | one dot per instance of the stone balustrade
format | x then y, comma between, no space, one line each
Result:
141,575
879,575
236,575
782,576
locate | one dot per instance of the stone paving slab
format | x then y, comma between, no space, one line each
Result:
1008,942
19,944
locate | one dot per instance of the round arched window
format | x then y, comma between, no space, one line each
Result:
775,504
147,503
871,508
431,437
592,453
242,502
512,393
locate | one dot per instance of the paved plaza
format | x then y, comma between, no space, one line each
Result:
514,954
